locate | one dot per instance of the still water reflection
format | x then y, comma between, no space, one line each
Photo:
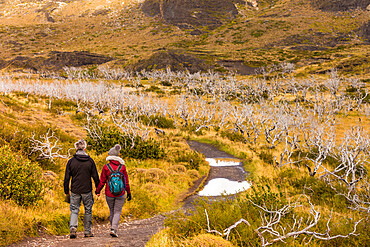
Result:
223,186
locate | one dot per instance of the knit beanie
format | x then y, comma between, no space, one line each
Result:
114,151
81,144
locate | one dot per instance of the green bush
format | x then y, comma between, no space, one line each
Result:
166,83
131,147
320,192
158,121
267,157
233,136
262,194
154,89
221,214
192,159
20,179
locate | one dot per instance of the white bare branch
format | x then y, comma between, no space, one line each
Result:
47,146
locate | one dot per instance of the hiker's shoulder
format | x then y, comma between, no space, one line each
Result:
91,159
71,159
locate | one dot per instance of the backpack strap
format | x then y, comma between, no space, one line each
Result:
123,176
119,167
111,169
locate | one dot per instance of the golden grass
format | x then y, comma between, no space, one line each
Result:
10,232
161,239
164,239
164,181
34,113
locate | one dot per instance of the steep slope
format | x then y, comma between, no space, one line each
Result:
315,35
193,13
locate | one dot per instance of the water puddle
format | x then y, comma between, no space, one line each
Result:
223,162
223,186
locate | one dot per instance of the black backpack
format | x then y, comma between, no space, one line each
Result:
116,181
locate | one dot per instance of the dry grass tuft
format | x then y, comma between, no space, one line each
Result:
208,240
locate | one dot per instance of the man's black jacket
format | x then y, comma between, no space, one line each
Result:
81,168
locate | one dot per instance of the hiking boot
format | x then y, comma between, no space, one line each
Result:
113,233
73,233
89,235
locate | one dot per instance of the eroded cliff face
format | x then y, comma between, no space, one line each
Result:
192,13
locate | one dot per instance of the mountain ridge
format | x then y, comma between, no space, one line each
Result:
313,34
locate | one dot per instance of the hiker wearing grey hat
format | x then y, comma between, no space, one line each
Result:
81,168
114,176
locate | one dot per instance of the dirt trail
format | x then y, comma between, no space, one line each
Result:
138,232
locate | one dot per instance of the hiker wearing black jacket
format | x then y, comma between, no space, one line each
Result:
81,167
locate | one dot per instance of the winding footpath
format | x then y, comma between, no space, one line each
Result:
137,233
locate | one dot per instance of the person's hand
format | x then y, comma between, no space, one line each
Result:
128,197
67,198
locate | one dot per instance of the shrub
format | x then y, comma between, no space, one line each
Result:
257,33
262,194
20,179
320,192
267,157
233,136
154,89
209,240
166,83
158,121
191,160
59,105
131,147
221,213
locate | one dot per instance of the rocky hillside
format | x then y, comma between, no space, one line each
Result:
188,14
340,5
239,35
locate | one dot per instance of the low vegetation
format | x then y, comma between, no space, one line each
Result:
297,112
303,141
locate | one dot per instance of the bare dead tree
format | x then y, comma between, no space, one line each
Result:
113,73
291,140
366,110
275,125
353,156
360,93
222,114
359,198
79,73
333,83
320,142
94,125
272,229
246,120
182,110
227,231
47,146
130,125
206,115
238,117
